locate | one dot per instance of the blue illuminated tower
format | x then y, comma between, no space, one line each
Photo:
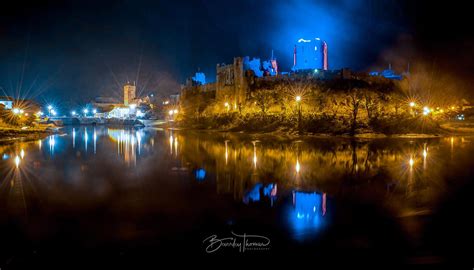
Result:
310,54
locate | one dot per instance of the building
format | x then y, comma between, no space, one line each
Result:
7,102
199,78
231,84
129,93
310,54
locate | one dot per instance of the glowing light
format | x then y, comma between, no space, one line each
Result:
426,110
425,153
22,154
86,111
226,104
73,138
26,114
94,111
53,112
298,98
21,111
52,143
171,143
316,70
411,162
303,40
254,155
16,111
176,145
73,113
297,166
452,107
17,161
170,112
50,107
133,106
175,111
412,104
39,113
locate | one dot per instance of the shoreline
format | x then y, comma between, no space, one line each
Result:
294,134
13,135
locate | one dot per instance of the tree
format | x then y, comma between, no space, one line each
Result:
264,98
371,103
352,104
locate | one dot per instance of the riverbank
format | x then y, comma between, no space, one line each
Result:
14,134
396,127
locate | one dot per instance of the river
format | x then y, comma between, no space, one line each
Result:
131,193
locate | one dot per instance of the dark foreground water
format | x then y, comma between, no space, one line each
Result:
123,197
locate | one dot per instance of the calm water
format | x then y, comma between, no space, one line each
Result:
103,193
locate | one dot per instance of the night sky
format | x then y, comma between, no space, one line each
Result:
68,52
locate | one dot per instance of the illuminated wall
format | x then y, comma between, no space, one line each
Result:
129,93
310,54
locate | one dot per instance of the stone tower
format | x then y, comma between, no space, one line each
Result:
129,93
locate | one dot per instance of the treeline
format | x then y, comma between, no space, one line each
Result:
308,105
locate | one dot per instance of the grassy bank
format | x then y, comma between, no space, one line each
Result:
314,124
12,134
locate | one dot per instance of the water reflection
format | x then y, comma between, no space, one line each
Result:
300,179
307,213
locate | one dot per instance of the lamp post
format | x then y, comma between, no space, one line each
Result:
298,107
412,105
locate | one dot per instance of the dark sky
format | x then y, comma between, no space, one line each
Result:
63,51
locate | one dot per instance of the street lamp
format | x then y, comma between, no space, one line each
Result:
94,111
16,111
175,111
226,105
73,113
50,108
298,104
85,111
412,104
170,112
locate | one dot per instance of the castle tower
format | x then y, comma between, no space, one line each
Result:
129,93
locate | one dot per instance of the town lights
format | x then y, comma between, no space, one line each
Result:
50,110
16,111
175,111
298,98
53,112
73,113
412,104
94,111
426,110
170,112
17,161
85,111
